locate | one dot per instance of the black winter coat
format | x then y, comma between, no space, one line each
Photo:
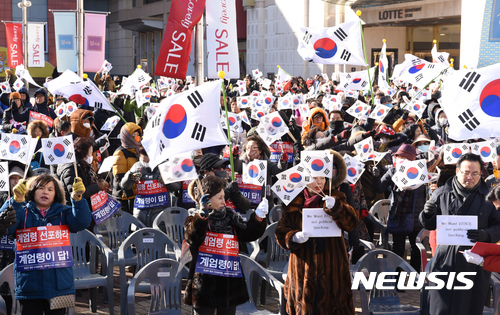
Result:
66,174
215,291
448,259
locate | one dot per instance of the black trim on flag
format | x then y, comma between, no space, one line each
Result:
469,81
199,132
340,33
345,55
468,119
195,99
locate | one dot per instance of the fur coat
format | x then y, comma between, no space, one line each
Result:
318,280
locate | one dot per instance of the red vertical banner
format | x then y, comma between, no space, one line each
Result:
176,44
14,33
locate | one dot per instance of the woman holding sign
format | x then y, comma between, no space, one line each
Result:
44,282
318,280
215,233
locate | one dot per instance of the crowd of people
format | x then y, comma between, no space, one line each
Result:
318,279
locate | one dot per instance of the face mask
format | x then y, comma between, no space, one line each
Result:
338,124
89,159
384,140
390,105
221,174
138,139
86,125
424,148
144,164
319,139
443,121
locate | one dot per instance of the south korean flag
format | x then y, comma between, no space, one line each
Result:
284,193
15,147
256,74
353,94
359,110
285,103
234,121
355,168
486,150
318,163
416,107
58,150
106,66
242,87
356,80
244,117
411,174
5,88
185,122
4,176
255,172
61,110
296,100
244,101
178,168
366,152
272,128
453,151
110,123
380,112
296,176
18,84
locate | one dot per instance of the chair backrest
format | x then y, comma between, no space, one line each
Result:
171,222
275,213
380,210
117,228
150,244
423,238
7,275
84,247
276,256
165,286
382,260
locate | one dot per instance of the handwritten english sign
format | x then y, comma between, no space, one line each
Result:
319,224
452,229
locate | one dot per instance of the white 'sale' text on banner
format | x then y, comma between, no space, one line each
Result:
36,45
222,39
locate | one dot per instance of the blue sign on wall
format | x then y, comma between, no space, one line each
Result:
65,42
495,22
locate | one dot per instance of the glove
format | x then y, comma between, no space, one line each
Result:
20,191
262,209
16,126
345,134
136,176
7,219
14,130
376,172
370,133
78,189
329,202
472,258
103,185
301,237
236,151
478,236
232,187
405,115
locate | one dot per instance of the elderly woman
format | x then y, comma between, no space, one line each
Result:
38,203
318,280
207,292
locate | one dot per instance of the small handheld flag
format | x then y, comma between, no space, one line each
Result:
255,172
59,150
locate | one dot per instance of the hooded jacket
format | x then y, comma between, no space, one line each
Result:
318,280
440,129
7,120
430,113
127,157
47,283
42,108
324,125
77,127
26,102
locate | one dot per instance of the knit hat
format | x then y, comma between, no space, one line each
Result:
16,170
211,160
408,151
15,95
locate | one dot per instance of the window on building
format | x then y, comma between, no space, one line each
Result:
150,1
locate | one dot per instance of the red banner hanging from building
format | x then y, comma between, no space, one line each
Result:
176,44
14,33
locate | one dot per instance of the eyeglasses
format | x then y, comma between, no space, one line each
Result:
253,149
468,174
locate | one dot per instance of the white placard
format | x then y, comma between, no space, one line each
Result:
452,229
319,224
107,164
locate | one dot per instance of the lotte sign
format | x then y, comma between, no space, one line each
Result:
176,44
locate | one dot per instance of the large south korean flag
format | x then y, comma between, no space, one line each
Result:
185,122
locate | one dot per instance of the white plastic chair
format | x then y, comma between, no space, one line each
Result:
379,214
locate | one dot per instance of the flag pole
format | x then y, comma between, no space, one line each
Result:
221,75
358,13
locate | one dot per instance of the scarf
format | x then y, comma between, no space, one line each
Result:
128,141
460,191
87,169
225,221
312,201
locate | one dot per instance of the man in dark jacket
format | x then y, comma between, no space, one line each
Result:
39,107
463,194
25,97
